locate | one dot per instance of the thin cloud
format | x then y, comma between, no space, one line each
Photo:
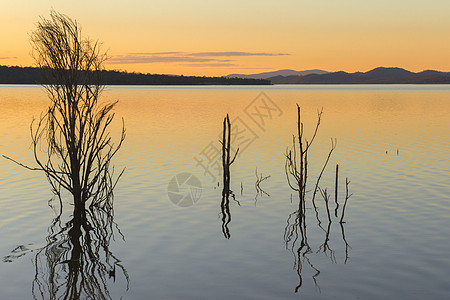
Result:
185,57
226,54
146,58
159,53
211,65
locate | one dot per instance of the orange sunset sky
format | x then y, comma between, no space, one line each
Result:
216,38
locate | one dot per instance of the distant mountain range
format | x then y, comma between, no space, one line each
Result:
376,76
283,73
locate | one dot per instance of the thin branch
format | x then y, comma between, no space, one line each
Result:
333,146
347,196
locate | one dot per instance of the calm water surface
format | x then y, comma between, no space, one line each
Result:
393,144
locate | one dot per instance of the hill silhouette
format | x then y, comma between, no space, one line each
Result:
286,72
379,75
30,75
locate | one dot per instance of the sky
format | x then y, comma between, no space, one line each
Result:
216,38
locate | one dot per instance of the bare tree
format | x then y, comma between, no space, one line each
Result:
226,163
226,151
71,141
296,165
295,234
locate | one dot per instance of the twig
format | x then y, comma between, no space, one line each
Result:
326,198
347,196
30,168
333,146
336,192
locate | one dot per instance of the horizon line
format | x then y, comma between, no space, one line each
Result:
276,70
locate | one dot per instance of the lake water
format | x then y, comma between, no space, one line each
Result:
393,145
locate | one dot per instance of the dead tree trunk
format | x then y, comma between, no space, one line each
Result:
226,163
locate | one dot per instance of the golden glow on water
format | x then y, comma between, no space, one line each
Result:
17,111
193,115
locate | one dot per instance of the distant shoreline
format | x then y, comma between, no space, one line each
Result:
31,75
390,76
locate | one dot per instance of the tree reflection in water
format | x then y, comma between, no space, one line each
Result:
76,262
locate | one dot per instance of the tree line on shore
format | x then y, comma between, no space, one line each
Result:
31,75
